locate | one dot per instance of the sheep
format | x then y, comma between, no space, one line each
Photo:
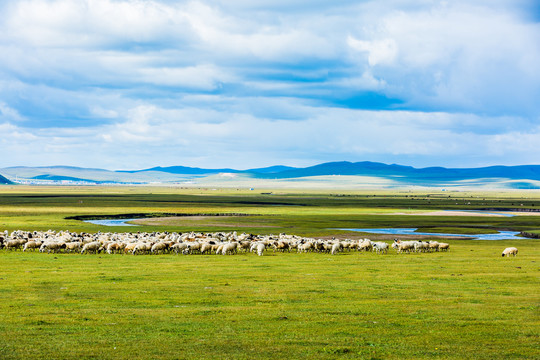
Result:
253,246
230,248
281,246
91,247
191,247
305,247
434,245
51,246
443,246
336,248
32,245
73,246
402,246
365,245
206,247
14,244
129,247
159,247
114,247
380,247
260,248
510,251
142,247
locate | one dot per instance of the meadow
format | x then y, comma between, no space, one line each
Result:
468,303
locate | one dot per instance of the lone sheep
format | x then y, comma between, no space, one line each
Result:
510,251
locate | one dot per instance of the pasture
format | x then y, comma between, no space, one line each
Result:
468,303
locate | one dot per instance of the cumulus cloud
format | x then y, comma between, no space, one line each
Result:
124,83
456,57
379,51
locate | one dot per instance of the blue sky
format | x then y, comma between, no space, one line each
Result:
130,84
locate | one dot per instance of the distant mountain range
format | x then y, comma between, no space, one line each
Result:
523,176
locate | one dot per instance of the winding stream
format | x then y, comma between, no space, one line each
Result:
502,235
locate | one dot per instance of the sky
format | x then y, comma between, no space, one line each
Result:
133,84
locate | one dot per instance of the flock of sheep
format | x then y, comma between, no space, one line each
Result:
197,243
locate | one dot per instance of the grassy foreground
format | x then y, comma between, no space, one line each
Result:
469,303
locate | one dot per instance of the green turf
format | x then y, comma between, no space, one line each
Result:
468,303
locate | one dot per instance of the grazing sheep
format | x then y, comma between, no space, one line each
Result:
510,251
32,245
159,247
260,248
281,246
434,245
179,248
402,246
73,246
365,245
114,247
336,248
206,247
189,243
129,247
443,246
14,244
230,248
51,246
305,247
142,247
380,247
91,247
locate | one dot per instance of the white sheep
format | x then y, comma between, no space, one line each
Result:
32,245
91,247
365,245
230,248
402,246
380,247
444,246
260,248
336,248
73,246
159,247
51,246
510,251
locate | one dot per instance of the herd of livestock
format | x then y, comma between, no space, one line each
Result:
197,243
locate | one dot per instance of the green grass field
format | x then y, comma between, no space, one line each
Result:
468,303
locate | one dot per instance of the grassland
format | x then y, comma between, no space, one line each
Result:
469,303
305,213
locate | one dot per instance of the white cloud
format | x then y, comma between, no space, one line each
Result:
460,56
122,83
9,114
204,76
149,135
380,52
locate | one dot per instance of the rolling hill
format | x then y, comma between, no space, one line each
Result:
516,177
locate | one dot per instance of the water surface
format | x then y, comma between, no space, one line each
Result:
112,222
501,235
